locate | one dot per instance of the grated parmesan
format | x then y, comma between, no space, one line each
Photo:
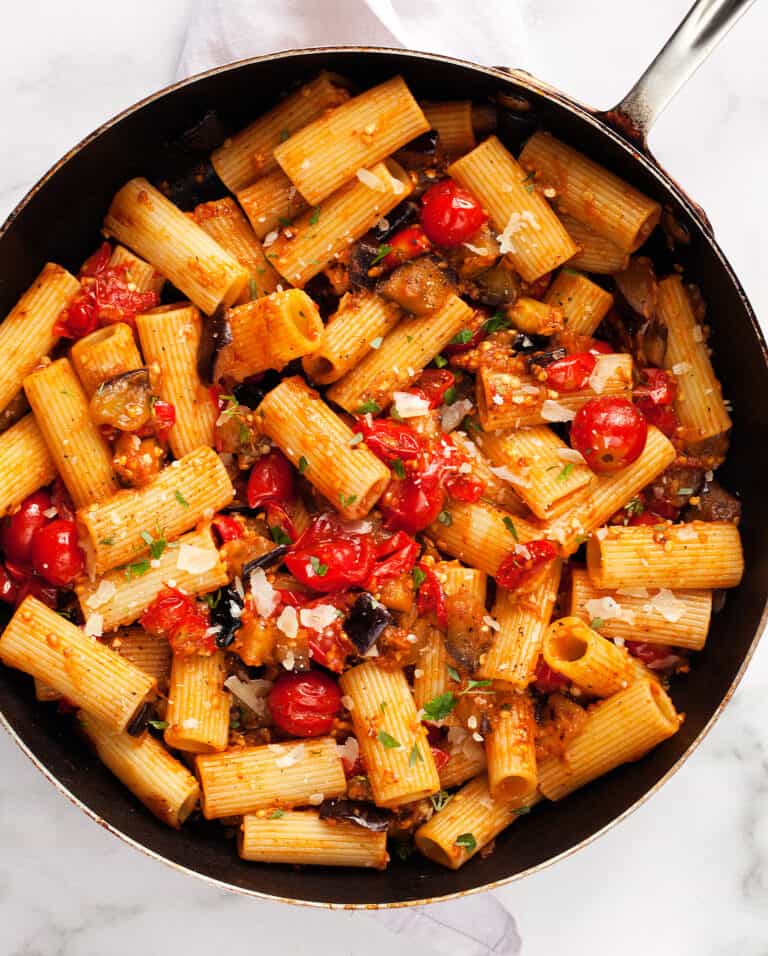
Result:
608,609
265,597
288,622
604,370
371,180
294,756
94,625
196,560
318,618
554,412
667,605
571,455
408,405
103,593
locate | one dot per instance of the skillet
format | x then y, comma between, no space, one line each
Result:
59,220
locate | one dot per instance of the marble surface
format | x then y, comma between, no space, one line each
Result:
688,872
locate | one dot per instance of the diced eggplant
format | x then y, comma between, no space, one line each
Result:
476,256
497,286
215,336
225,614
360,261
252,390
268,560
17,408
715,504
366,815
406,214
638,287
516,121
420,286
366,621
123,402
420,152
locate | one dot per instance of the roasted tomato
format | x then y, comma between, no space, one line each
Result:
227,528
181,620
433,383
654,398
610,433
395,555
431,596
650,654
412,503
137,460
304,705
406,244
327,558
22,527
524,562
546,680
389,440
570,374
271,480
450,214
56,555
440,756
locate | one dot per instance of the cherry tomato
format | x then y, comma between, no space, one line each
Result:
330,647
395,555
570,374
649,654
610,433
271,479
546,680
440,757
39,589
181,620
327,558
97,263
449,214
646,517
389,440
22,527
115,301
56,555
227,528
406,244
412,503
597,347
433,383
656,388
163,418
304,705
663,417
520,566
79,319
431,596
465,488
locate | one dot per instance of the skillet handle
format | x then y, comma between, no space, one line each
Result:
704,26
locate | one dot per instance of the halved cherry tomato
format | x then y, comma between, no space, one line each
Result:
450,214
97,263
663,417
327,558
36,587
520,566
181,620
464,488
431,596
304,704
610,433
56,555
395,555
330,647
412,503
647,518
163,417
440,757
271,480
406,244
649,653
547,680
457,348
227,528
22,527
570,374
433,383
79,319
389,440
657,387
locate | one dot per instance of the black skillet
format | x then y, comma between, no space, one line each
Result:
59,220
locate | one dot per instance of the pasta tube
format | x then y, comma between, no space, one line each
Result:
511,750
198,706
596,253
25,463
592,662
105,354
584,304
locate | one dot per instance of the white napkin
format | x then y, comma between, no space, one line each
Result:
221,31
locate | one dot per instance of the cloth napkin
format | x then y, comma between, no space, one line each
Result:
221,31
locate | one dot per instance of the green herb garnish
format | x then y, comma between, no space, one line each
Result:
158,724
355,439
347,500
276,814
388,741
596,623
467,841
496,323
278,535
454,674
509,524
415,756
156,545
439,707
313,219
376,343
450,395
284,135
418,577
440,799
462,337
303,465
382,253
136,569
565,474
107,541
445,518
398,467
181,499
474,685
368,407
320,569
253,288
440,361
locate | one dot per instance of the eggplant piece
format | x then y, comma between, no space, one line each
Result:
530,343
252,390
275,556
216,334
139,723
205,136
225,613
421,286
16,409
675,486
406,214
638,287
419,152
715,504
543,359
191,183
366,621
472,259
123,402
360,261
366,815
516,121
497,286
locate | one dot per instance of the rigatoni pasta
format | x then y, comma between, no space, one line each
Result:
25,463
104,354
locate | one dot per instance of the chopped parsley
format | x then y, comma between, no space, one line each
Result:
418,577
581,538
107,541
496,323
253,288
368,408
522,810
303,465
450,395
278,535
439,707
565,474
181,499
381,253
467,841
462,337
320,569
596,623
440,361
415,756
314,218
376,343
634,506
213,599
136,569
158,724
685,491
387,740
528,182
347,500
474,685
355,439
276,814
440,800
445,518
454,674
284,221
509,524
404,850
156,545
398,467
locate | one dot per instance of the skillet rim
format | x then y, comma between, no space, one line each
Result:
638,154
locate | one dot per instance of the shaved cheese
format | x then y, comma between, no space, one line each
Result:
270,238
50,512
571,455
608,609
461,742
605,369
372,651
681,368
491,622
265,597
94,625
517,222
318,618
501,471
478,250
408,405
296,754
103,593
554,412
667,605
371,180
633,592
451,416
289,660
252,693
196,560
288,622
687,533
316,799
190,723
349,750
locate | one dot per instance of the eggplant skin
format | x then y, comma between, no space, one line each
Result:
420,286
366,622
366,815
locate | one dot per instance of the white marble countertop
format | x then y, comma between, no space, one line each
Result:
688,872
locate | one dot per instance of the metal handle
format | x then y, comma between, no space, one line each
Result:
703,28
